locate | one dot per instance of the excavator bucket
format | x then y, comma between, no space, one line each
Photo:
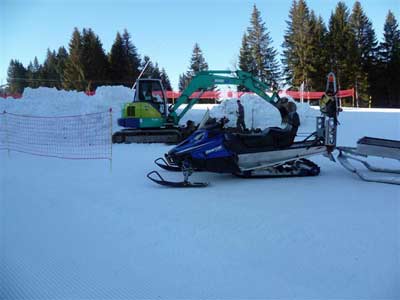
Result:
368,146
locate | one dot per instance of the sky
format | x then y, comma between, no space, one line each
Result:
164,30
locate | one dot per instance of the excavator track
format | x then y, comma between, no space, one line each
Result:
141,136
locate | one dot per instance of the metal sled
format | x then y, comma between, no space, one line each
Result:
368,146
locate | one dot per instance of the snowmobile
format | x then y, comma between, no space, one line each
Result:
269,153
250,155
213,148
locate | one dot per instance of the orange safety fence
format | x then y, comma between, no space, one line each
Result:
69,137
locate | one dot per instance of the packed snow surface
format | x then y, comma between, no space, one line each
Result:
95,229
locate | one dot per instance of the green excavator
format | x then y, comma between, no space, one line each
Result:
150,119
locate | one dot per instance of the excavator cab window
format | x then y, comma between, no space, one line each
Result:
151,90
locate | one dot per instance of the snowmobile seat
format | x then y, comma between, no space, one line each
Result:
271,139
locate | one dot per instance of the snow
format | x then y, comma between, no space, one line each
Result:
259,113
52,102
95,229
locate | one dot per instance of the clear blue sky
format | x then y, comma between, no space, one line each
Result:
164,30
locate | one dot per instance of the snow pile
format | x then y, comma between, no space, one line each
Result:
260,114
52,102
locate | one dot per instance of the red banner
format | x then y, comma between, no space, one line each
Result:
230,94
318,95
15,96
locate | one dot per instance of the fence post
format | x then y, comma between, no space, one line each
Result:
6,129
111,142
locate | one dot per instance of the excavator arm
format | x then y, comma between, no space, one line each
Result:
206,79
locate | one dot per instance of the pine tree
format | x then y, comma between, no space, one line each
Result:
165,80
197,64
34,73
341,46
390,45
246,62
16,77
318,53
119,63
289,59
62,58
365,43
150,67
74,76
156,73
245,56
298,60
153,71
265,65
389,60
183,82
49,75
133,58
94,60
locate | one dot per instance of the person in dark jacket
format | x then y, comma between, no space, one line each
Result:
293,121
240,125
284,137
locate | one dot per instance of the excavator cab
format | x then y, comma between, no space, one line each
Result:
149,106
151,91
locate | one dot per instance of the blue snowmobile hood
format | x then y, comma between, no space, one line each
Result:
202,144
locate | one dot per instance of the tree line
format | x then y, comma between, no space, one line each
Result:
347,45
85,65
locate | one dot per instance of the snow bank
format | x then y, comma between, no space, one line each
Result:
52,102
259,113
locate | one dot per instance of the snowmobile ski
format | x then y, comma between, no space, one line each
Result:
182,184
163,164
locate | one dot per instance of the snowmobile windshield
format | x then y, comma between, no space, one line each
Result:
205,118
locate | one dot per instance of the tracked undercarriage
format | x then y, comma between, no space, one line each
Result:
144,136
